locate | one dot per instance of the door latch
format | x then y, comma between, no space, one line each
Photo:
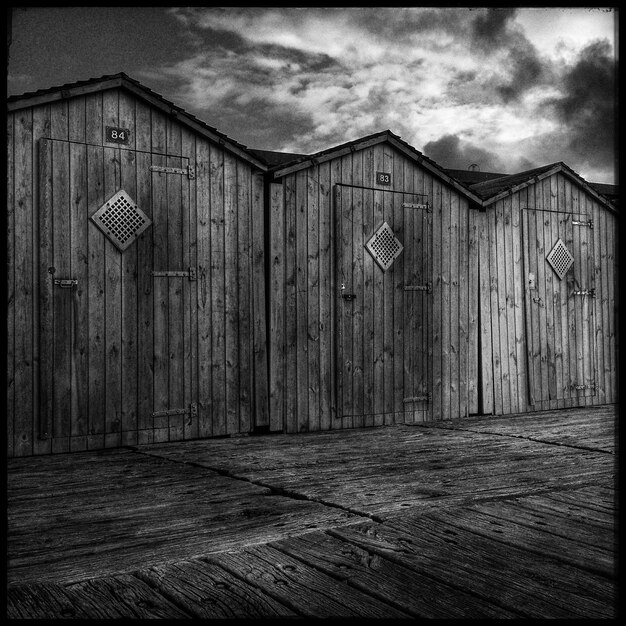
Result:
66,283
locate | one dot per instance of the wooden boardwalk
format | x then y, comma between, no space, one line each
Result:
486,517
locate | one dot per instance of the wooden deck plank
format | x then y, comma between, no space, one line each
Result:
497,573
411,591
209,592
304,589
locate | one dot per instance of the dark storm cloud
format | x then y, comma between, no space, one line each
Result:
490,30
450,152
587,107
527,71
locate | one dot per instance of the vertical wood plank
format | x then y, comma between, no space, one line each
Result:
518,305
41,129
396,275
437,302
380,324
430,277
145,291
313,301
205,288
549,299
258,305
454,326
358,304
190,287
494,313
62,299
10,291
291,390
335,176
326,297
217,280
79,238
129,312
463,281
576,301
277,308
23,215
541,252
93,119
231,296
598,234
446,343
244,250
613,343
113,287
504,265
96,297
301,289
77,125
587,301
368,319
473,299
570,299
559,305
486,346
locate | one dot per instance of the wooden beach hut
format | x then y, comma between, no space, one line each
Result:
372,288
547,244
135,272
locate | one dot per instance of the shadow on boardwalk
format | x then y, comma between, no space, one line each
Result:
482,517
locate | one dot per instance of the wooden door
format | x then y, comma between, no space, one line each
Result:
559,306
115,296
383,306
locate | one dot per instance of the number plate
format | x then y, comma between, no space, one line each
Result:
383,178
117,135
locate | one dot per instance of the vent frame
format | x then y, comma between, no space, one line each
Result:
384,246
109,218
560,259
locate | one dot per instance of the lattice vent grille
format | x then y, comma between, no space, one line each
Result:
121,220
560,259
384,246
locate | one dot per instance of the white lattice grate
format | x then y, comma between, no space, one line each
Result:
121,220
384,246
560,259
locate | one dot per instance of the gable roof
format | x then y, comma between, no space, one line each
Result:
123,81
497,188
386,136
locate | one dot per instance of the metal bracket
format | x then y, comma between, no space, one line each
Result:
192,410
66,283
589,224
416,205
428,287
189,170
581,387
425,398
191,273
586,292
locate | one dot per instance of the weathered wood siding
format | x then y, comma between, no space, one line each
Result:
561,354
303,291
116,371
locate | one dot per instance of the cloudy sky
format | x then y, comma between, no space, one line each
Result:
507,89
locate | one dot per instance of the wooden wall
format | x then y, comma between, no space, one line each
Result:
505,374
303,291
222,233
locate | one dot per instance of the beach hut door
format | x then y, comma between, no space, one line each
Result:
383,306
559,305
115,296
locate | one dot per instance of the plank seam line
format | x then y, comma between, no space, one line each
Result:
535,439
275,491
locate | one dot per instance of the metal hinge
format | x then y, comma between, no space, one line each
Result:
192,410
428,287
581,387
589,224
425,398
586,292
189,170
191,273
416,205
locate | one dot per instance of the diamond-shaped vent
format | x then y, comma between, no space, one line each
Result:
121,220
560,259
384,246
